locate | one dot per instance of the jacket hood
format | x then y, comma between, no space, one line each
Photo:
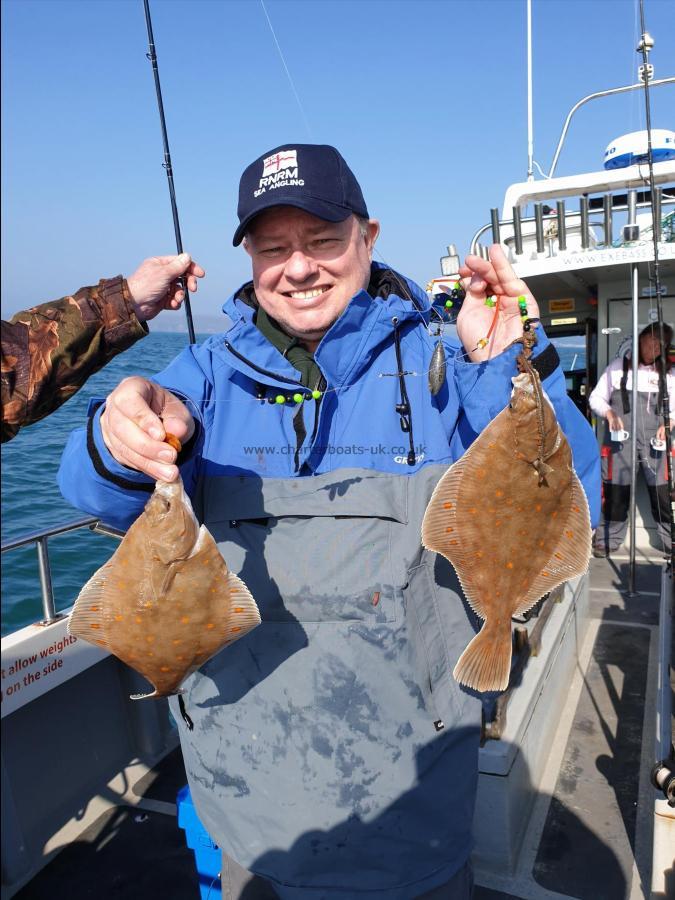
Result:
348,345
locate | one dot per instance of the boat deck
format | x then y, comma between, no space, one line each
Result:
590,832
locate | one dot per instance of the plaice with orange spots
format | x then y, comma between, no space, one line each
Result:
165,602
512,518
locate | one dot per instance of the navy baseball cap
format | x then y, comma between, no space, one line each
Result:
313,177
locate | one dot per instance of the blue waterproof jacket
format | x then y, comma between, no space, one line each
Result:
332,752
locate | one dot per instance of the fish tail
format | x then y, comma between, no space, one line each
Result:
485,665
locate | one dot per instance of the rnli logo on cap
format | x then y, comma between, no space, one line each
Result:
279,170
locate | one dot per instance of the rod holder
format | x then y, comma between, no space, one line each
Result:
517,231
46,581
494,218
656,224
631,230
583,212
562,226
607,218
539,226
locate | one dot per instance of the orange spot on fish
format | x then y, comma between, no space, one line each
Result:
537,507
481,473
180,657
449,530
138,619
94,625
546,574
100,643
509,565
210,625
473,510
150,638
498,522
94,608
236,628
453,543
499,493
554,514
239,609
148,605
164,669
492,445
570,534
480,554
150,653
575,509
119,618
558,556
447,506
541,543
176,641
185,619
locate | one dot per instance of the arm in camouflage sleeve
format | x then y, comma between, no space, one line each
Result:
49,351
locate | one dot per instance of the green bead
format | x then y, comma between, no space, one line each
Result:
490,301
448,304
522,299
298,398
279,399
316,395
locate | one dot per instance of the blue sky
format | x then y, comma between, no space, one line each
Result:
426,99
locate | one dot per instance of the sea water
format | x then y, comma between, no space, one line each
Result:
31,500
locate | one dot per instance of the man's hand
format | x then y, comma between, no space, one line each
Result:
482,278
134,432
154,285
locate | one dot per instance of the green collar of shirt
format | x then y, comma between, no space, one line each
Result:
297,355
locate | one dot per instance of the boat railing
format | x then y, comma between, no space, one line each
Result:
41,539
592,223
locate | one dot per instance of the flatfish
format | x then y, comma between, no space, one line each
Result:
512,518
165,602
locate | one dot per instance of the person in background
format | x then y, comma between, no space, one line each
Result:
611,399
330,753
49,351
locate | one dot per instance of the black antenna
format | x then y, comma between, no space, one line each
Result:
646,71
152,56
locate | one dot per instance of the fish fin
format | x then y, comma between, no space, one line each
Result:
485,665
242,599
571,553
441,512
87,619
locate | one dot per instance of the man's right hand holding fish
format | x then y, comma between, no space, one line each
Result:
136,418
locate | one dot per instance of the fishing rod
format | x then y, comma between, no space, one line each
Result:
645,45
152,56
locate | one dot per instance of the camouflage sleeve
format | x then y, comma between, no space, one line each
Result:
49,351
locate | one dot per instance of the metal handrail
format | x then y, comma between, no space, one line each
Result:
621,90
40,539
667,201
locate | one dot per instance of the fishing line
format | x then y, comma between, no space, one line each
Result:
288,74
152,56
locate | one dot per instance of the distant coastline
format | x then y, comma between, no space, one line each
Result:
176,324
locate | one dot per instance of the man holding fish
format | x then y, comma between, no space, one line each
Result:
332,753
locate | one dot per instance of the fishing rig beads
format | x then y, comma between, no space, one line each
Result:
490,301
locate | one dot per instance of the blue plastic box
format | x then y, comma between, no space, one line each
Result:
207,854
